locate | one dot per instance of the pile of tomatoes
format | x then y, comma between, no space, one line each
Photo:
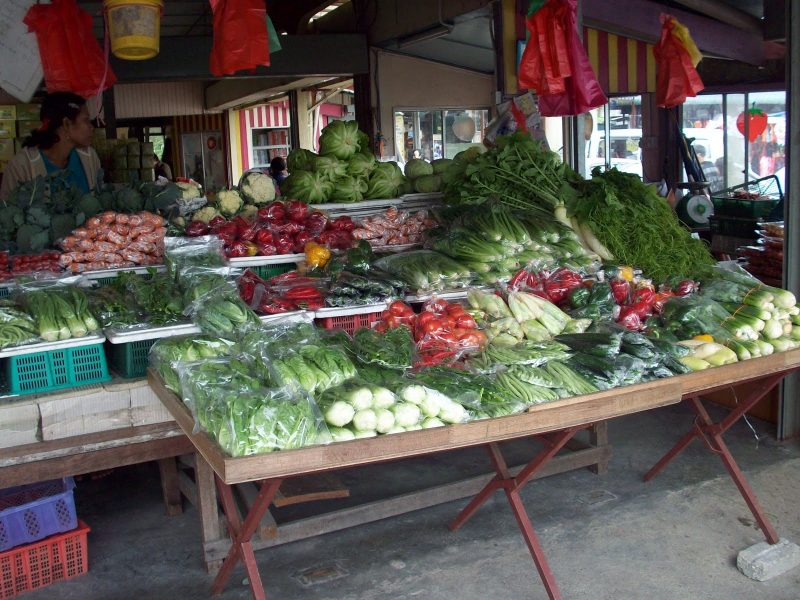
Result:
443,331
28,263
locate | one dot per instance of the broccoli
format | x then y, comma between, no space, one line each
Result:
257,188
128,200
31,239
89,205
229,202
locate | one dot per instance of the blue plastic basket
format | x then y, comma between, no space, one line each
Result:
33,512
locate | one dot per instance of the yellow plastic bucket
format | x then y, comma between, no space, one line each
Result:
134,27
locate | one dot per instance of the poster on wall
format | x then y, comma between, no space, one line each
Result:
20,64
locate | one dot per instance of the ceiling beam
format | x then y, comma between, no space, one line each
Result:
725,13
641,20
301,56
231,93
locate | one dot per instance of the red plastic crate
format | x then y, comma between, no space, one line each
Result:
57,558
350,322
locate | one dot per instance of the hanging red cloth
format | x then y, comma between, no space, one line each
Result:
676,58
241,38
554,63
72,60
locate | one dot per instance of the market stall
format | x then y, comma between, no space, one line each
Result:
555,423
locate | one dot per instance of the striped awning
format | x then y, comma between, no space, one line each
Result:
275,114
622,65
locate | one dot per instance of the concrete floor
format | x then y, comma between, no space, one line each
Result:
606,537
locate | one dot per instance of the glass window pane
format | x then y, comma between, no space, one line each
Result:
734,145
768,151
625,117
462,129
703,126
594,121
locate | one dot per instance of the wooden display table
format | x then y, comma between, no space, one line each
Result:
554,423
82,454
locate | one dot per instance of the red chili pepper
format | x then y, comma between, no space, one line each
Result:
302,291
620,289
629,318
687,286
644,294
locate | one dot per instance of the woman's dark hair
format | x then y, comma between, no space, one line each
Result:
55,108
277,164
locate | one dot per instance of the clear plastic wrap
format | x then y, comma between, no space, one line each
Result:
393,349
243,415
220,311
357,409
58,306
113,308
167,353
16,326
425,270
203,251
158,298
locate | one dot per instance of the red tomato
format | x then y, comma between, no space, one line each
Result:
473,337
466,322
454,309
399,308
436,306
434,325
424,317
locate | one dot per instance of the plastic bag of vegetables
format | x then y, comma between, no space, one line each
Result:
220,311
204,251
425,270
358,409
59,308
167,353
16,326
245,417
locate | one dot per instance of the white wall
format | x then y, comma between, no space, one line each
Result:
165,99
408,82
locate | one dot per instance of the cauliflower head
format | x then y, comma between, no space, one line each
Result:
249,212
205,214
229,202
189,190
257,188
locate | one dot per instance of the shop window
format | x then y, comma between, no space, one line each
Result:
727,157
616,130
267,144
203,159
433,134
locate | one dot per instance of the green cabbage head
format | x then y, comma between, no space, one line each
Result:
417,167
339,139
385,181
361,165
309,187
300,160
330,168
348,189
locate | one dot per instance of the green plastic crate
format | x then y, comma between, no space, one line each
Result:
5,292
267,271
52,370
130,360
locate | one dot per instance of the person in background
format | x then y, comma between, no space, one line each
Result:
277,169
62,143
710,171
161,168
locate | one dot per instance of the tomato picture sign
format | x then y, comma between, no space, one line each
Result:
756,120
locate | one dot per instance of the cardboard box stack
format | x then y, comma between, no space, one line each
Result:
17,121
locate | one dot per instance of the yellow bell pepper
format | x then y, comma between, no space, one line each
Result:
317,256
626,273
703,338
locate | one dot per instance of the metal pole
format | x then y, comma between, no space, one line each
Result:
789,408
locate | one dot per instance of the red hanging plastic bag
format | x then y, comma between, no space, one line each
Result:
676,58
555,65
72,60
241,38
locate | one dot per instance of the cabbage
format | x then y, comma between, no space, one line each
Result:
330,168
348,189
301,160
361,165
440,165
364,146
307,186
428,184
339,139
417,167
385,181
